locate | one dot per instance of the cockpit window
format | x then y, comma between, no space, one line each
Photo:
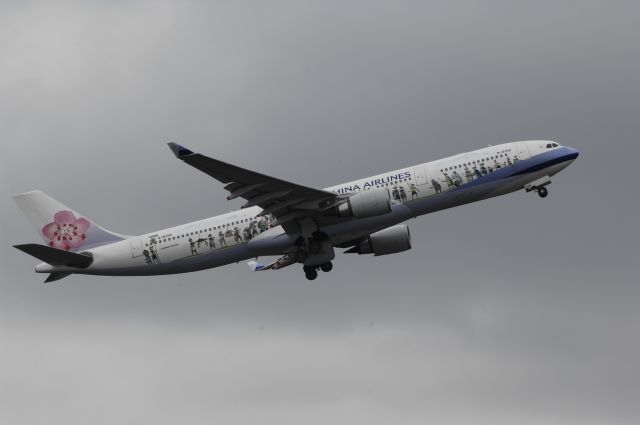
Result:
555,145
549,146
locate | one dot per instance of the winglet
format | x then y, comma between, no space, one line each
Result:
255,266
178,150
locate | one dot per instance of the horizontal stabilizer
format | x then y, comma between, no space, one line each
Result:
56,276
56,257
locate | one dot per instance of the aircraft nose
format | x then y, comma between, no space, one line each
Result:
573,152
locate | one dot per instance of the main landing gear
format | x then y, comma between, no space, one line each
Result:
314,250
311,272
326,267
301,256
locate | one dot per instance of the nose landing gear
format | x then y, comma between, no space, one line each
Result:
539,186
543,192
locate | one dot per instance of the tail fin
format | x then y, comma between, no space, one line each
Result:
60,226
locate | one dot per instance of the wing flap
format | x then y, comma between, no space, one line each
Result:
241,190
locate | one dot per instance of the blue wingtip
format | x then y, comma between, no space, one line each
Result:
179,150
255,266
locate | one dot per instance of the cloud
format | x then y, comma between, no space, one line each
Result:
86,372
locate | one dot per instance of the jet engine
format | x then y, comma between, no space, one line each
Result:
387,241
368,203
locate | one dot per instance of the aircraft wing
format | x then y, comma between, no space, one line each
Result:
286,201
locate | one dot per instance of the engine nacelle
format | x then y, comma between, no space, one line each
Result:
387,241
368,203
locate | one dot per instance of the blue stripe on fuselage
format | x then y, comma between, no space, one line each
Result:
548,159
525,166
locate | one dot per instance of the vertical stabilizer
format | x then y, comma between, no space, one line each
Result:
60,226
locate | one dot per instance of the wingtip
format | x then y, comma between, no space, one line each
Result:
255,266
179,150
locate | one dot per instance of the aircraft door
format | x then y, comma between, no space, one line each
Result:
136,247
420,174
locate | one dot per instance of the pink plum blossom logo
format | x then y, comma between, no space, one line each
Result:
66,231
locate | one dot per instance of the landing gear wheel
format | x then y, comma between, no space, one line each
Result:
326,267
543,192
311,274
301,256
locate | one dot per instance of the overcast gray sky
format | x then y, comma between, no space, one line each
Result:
516,309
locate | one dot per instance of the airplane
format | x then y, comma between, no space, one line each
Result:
299,224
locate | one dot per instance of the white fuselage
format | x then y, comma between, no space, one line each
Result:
415,190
